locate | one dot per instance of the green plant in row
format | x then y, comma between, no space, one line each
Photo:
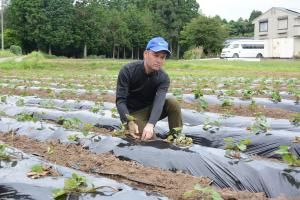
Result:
260,125
3,154
295,119
77,184
275,96
70,123
21,117
287,156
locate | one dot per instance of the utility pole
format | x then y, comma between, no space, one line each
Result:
2,36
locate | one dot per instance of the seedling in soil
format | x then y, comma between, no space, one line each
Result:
87,128
130,118
38,171
178,138
3,99
211,127
177,92
253,105
247,94
202,105
295,120
227,102
120,133
20,102
73,137
287,156
21,117
230,92
233,148
198,93
3,154
114,113
275,96
193,194
260,125
70,123
77,184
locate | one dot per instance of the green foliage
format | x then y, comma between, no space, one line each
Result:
287,156
247,94
20,102
236,146
130,117
195,53
205,32
178,138
73,137
199,189
70,123
177,92
76,184
203,104
295,119
260,125
3,154
3,99
17,50
21,117
227,102
38,168
6,53
275,96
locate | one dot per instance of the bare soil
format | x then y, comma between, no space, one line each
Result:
170,184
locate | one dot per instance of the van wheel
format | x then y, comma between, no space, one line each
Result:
259,55
235,55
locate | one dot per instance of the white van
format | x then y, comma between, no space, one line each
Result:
244,49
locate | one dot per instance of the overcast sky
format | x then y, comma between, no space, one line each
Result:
233,9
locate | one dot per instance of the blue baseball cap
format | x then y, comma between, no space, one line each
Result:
158,44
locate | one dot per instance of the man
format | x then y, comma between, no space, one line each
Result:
141,92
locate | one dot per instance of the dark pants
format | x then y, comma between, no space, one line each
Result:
171,110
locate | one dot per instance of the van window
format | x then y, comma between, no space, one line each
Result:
252,46
235,46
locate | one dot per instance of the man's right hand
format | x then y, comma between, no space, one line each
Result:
133,129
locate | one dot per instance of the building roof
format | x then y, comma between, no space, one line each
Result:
297,14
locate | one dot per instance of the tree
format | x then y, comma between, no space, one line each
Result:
57,30
206,32
254,14
27,19
88,25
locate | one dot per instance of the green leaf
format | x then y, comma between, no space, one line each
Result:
38,168
228,139
242,147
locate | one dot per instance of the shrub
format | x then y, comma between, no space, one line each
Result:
195,53
16,49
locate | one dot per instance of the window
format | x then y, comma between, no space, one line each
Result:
235,46
263,26
282,23
252,46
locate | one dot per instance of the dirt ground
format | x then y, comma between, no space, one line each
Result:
170,184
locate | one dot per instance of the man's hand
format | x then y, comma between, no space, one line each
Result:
133,129
148,132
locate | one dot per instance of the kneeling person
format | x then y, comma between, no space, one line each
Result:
141,92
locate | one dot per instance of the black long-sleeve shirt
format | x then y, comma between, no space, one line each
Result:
136,90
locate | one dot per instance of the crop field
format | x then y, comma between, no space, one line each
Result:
61,136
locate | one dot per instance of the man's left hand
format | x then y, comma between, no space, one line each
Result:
148,132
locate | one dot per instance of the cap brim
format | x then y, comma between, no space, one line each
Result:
158,49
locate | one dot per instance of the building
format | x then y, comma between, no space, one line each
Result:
280,28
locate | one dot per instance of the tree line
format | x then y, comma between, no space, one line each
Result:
115,28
